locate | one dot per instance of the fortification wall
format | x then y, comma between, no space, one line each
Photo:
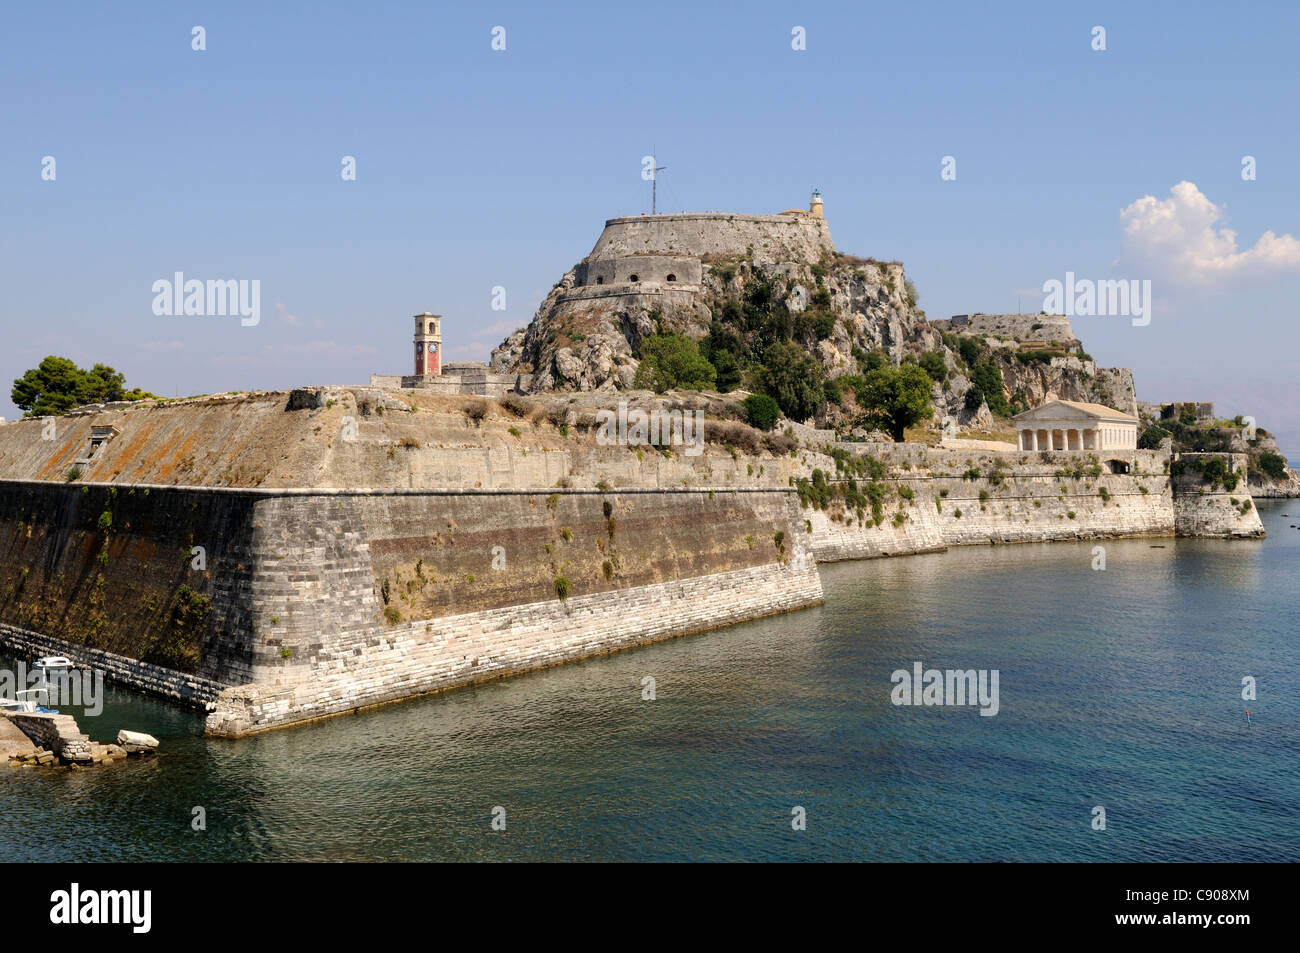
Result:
792,236
112,569
638,268
418,657
310,601
429,549
350,437
1017,509
1204,508
956,498
1042,328
193,691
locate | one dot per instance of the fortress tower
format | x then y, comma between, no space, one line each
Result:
815,205
428,344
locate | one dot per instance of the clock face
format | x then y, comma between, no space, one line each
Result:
432,348
419,347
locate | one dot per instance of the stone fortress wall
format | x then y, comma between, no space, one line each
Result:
428,551
664,269
963,498
1037,328
649,255
458,377
431,562
795,235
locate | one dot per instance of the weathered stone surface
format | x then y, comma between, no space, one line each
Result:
1034,498
423,656
371,574
56,733
14,743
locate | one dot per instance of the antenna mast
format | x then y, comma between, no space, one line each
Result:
654,187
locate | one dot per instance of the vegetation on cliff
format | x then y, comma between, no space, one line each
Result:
1187,433
830,341
57,385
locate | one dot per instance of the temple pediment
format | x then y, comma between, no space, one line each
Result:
1073,410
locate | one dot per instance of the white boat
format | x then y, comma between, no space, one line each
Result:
26,702
53,663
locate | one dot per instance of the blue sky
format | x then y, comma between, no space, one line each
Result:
478,168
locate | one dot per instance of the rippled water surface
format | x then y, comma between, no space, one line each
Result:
1119,688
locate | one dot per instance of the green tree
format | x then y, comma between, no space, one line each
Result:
761,411
1151,437
793,378
57,385
728,369
871,360
669,361
814,325
933,364
1273,464
987,379
896,397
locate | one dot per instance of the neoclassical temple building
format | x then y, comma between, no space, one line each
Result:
1074,425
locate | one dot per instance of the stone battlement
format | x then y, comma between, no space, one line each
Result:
1039,328
465,377
790,236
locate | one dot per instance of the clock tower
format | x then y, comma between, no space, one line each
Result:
428,345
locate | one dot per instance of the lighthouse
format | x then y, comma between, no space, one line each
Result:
815,205
428,344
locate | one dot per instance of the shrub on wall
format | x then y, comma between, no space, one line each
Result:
1273,464
761,411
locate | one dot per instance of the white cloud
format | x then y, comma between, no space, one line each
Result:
500,329
156,346
1178,237
291,319
286,316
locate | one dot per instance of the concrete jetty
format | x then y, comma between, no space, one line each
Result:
41,738
13,743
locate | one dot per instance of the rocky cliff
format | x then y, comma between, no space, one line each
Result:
744,283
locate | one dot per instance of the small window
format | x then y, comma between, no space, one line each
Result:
672,277
600,281
632,278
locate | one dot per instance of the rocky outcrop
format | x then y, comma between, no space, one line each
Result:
681,274
586,337
1277,489
1068,378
